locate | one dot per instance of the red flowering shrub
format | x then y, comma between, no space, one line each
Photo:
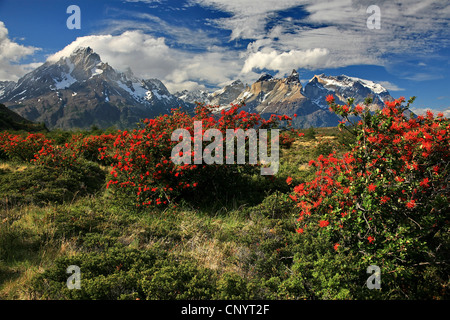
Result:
286,140
388,198
93,147
143,166
22,148
56,156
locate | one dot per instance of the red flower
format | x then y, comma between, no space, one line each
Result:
371,187
289,180
411,204
323,223
359,108
336,246
424,183
330,98
371,239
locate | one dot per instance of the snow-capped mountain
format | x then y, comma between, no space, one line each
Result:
80,90
269,95
219,97
194,96
227,94
5,86
343,87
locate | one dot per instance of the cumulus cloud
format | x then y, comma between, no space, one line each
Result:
11,53
284,62
338,26
150,57
147,56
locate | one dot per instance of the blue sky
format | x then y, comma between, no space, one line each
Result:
205,44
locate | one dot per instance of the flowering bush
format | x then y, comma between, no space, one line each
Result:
143,165
93,147
20,147
286,140
388,198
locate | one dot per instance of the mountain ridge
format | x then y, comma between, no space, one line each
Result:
79,90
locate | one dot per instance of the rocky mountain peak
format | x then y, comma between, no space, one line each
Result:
265,77
85,57
76,89
294,77
79,90
343,87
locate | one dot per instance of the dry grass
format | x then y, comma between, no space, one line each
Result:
16,287
13,167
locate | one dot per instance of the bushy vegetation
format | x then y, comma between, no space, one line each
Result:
140,227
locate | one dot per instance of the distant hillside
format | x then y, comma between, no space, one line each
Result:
9,120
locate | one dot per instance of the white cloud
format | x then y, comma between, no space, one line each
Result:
423,111
390,86
147,56
151,57
148,23
11,53
286,61
339,26
248,17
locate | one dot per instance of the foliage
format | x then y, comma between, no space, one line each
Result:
144,168
20,147
121,273
388,198
375,193
41,185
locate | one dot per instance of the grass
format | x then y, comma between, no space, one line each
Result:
237,244
246,242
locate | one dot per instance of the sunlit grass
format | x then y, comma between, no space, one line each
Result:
228,236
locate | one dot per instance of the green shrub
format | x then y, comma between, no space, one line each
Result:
122,273
310,133
41,185
317,272
231,286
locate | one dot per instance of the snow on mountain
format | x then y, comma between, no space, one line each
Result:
81,84
193,96
269,95
77,89
219,97
344,87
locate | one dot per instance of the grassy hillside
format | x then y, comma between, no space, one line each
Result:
227,248
9,120
240,242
